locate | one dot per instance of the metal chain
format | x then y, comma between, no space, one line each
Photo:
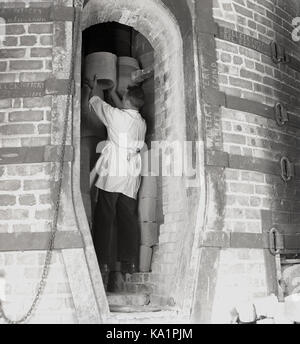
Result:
45,273
79,3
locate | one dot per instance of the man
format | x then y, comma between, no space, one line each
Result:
119,169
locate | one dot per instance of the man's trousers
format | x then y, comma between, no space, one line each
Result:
116,217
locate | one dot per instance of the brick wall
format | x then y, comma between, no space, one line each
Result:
237,197
26,56
245,72
26,190
249,74
25,198
34,52
23,272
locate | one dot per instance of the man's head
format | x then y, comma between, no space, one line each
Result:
134,98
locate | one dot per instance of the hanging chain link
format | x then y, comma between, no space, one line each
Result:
47,263
79,3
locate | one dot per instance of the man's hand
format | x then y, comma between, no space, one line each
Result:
96,90
86,82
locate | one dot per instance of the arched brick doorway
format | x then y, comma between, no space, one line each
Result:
169,31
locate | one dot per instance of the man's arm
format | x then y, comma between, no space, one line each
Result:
96,91
101,109
97,103
108,114
116,99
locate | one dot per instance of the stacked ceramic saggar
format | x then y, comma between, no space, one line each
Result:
147,210
126,66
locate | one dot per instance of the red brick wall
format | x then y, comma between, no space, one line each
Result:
26,200
36,52
245,72
248,74
236,197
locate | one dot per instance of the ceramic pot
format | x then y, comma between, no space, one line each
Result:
147,210
126,66
103,65
149,233
148,187
145,258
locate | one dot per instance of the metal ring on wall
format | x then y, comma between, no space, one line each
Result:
281,115
273,233
278,54
287,169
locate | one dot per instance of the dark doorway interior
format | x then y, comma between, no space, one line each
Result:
121,41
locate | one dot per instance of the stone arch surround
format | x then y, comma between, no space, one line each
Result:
169,30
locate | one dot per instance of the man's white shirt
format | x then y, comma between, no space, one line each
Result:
119,166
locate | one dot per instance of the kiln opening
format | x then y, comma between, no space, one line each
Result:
119,57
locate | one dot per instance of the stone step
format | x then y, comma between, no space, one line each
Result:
128,299
146,317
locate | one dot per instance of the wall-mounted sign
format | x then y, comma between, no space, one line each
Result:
247,41
33,89
22,89
33,155
243,40
37,15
